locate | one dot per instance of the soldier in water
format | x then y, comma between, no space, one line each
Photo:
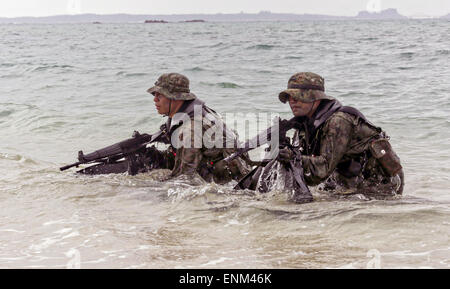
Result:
339,147
195,133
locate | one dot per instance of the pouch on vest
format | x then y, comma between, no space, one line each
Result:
382,150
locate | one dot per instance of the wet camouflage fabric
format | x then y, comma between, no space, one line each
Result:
306,87
202,161
342,146
197,155
173,86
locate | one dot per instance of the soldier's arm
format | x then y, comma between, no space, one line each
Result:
336,136
188,159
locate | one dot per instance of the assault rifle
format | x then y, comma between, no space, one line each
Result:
128,155
263,177
265,137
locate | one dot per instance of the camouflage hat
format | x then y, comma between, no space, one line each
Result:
173,86
306,87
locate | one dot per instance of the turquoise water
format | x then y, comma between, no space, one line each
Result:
69,87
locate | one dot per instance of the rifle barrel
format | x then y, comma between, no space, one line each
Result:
70,166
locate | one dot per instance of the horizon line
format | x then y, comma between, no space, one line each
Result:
222,13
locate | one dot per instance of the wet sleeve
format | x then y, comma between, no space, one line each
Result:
190,156
333,145
190,161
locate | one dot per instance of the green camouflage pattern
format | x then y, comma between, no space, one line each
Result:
173,86
343,138
201,161
306,87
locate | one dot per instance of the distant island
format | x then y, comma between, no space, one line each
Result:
195,21
385,14
155,21
388,14
186,21
446,16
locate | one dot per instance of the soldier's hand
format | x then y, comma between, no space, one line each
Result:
285,155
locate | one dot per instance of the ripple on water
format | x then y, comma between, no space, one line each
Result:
222,84
262,47
6,113
52,67
195,69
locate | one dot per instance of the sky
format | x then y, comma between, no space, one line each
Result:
17,8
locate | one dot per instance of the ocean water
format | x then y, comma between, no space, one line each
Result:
64,88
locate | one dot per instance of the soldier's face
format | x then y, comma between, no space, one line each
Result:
300,108
162,103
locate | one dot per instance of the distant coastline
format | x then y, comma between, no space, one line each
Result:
388,14
163,21
155,21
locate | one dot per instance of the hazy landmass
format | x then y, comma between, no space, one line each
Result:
446,16
385,14
240,17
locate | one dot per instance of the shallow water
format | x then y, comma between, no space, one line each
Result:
69,87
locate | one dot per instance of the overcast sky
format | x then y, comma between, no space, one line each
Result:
15,8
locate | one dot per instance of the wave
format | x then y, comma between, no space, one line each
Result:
228,85
133,74
262,47
17,158
195,69
8,76
293,57
21,105
217,45
6,113
222,84
10,108
292,31
7,64
368,39
404,215
50,126
202,33
407,54
49,67
313,211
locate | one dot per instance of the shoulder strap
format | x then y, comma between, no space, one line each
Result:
189,109
353,111
357,113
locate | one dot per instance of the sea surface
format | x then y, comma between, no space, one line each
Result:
65,88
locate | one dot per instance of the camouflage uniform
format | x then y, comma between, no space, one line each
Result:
336,144
192,160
